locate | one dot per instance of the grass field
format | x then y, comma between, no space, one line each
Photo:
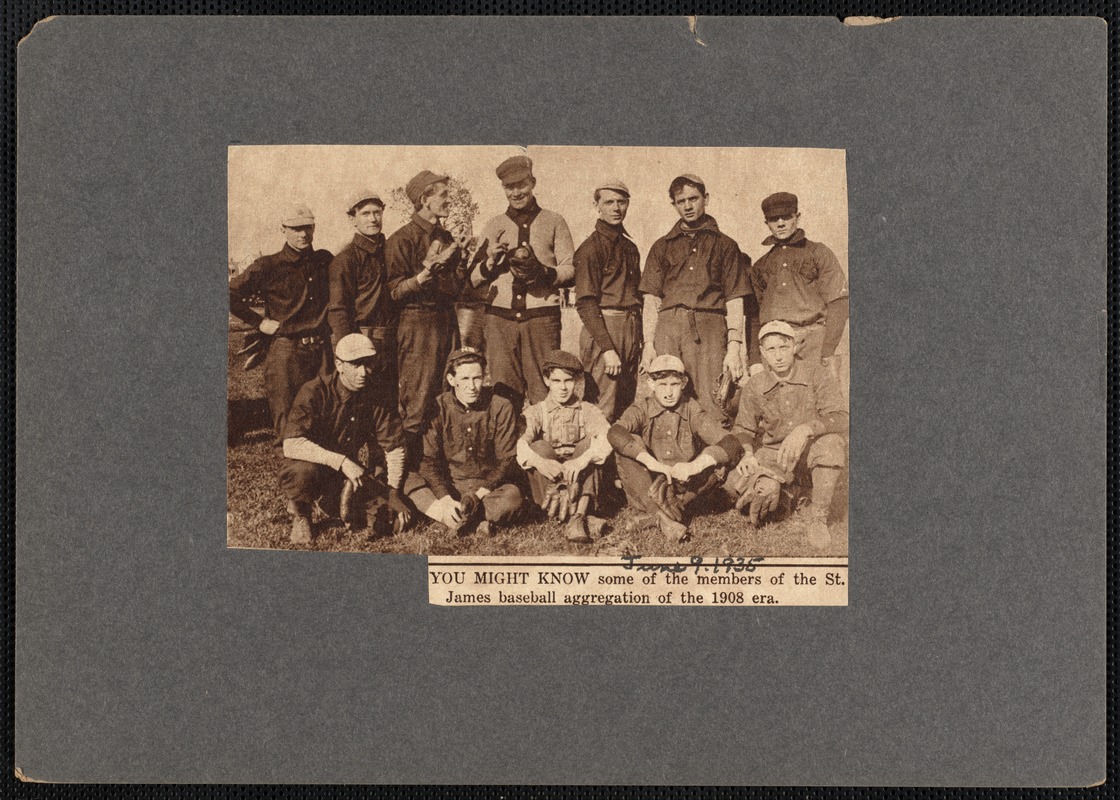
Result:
257,518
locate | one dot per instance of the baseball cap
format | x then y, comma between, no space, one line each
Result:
779,204
361,196
464,355
666,364
777,326
414,189
614,184
515,169
354,347
562,359
297,216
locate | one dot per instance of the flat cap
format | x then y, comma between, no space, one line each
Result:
614,184
562,359
297,216
354,347
414,189
779,204
464,355
359,197
776,326
666,364
515,169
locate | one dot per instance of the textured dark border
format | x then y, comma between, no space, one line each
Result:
19,18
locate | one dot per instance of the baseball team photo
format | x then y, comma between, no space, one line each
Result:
538,351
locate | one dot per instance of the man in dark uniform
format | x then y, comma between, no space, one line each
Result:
470,450
359,295
294,287
668,449
529,258
800,282
329,422
607,267
694,284
424,266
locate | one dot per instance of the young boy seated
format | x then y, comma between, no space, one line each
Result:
667,450
470,448
791,423
565,441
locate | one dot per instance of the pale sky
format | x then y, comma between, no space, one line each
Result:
265,178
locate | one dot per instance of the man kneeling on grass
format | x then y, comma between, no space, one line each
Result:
792,420
469,453
668,449
329,422
565,441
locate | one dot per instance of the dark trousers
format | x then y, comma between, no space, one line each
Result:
304,482
699,340
636,480
425,338
539,485
499,506
515,352
472,322
287,367
613,394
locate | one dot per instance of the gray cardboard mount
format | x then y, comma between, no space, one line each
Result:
973,648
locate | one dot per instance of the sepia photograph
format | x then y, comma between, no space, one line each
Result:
528,351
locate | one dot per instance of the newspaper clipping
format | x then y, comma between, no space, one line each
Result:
567,375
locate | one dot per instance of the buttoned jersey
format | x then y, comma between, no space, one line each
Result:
294,287
565,426
698,268
359,292
796,280
671,435
462,443
608,269
330,415
405,252
770,407
547,233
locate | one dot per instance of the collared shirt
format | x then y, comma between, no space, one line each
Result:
698,268
405,252
294,287
671,435
796,280
330,415
359,295
469,443
547,233
607,267
770,407
564,427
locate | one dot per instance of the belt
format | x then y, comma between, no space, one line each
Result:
525,314
620,312
307,340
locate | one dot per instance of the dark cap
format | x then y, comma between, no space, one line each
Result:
464,355
515,169
414,190
779,204
562,359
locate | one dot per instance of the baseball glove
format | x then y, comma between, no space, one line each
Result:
255,349
662,494
523,264
762,498
723,389
471,506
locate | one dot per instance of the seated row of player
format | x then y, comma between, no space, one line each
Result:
425,291
668,450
